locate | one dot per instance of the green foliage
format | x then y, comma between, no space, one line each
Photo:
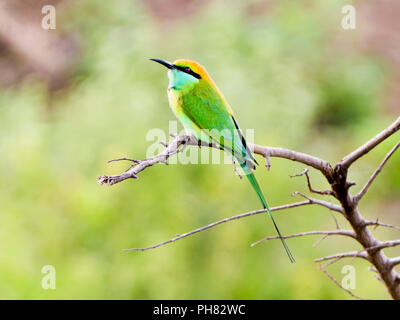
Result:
348,93
273,69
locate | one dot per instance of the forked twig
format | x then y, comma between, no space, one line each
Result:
310,188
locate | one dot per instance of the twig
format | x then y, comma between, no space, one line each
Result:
364,190
325,204
334,219
376,273
124,159
384,244
239,216
304,158
352,254
305,173
320,240
338,284
347,233
394,262
172,148
376,223
369,145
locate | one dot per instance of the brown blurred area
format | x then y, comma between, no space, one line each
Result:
381,37
27,49
167,11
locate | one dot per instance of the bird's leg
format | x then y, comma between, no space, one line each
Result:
236,169
184,144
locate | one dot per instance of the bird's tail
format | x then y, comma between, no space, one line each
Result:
250,175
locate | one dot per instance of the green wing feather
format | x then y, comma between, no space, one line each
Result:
209,112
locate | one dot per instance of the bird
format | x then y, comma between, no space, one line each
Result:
205,113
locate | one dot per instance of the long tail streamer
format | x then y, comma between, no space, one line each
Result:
254,183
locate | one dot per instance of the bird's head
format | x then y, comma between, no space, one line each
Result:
184,74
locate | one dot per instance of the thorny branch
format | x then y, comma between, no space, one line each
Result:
336,175
305,173
336,257
347,233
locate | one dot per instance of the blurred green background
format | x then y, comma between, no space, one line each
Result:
290,72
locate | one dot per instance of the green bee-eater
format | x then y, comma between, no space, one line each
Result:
204,112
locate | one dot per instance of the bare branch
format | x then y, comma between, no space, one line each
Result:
171,149
347,233
304,158
384,244
124,159
394,262
338,284
239,216
352,254
325,204
376,273
376,223
364,190
369,145
305,173
335,220
320,240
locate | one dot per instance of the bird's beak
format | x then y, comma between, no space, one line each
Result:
167,64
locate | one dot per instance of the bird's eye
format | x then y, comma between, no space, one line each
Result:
187,69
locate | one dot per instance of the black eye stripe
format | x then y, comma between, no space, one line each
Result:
183,69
